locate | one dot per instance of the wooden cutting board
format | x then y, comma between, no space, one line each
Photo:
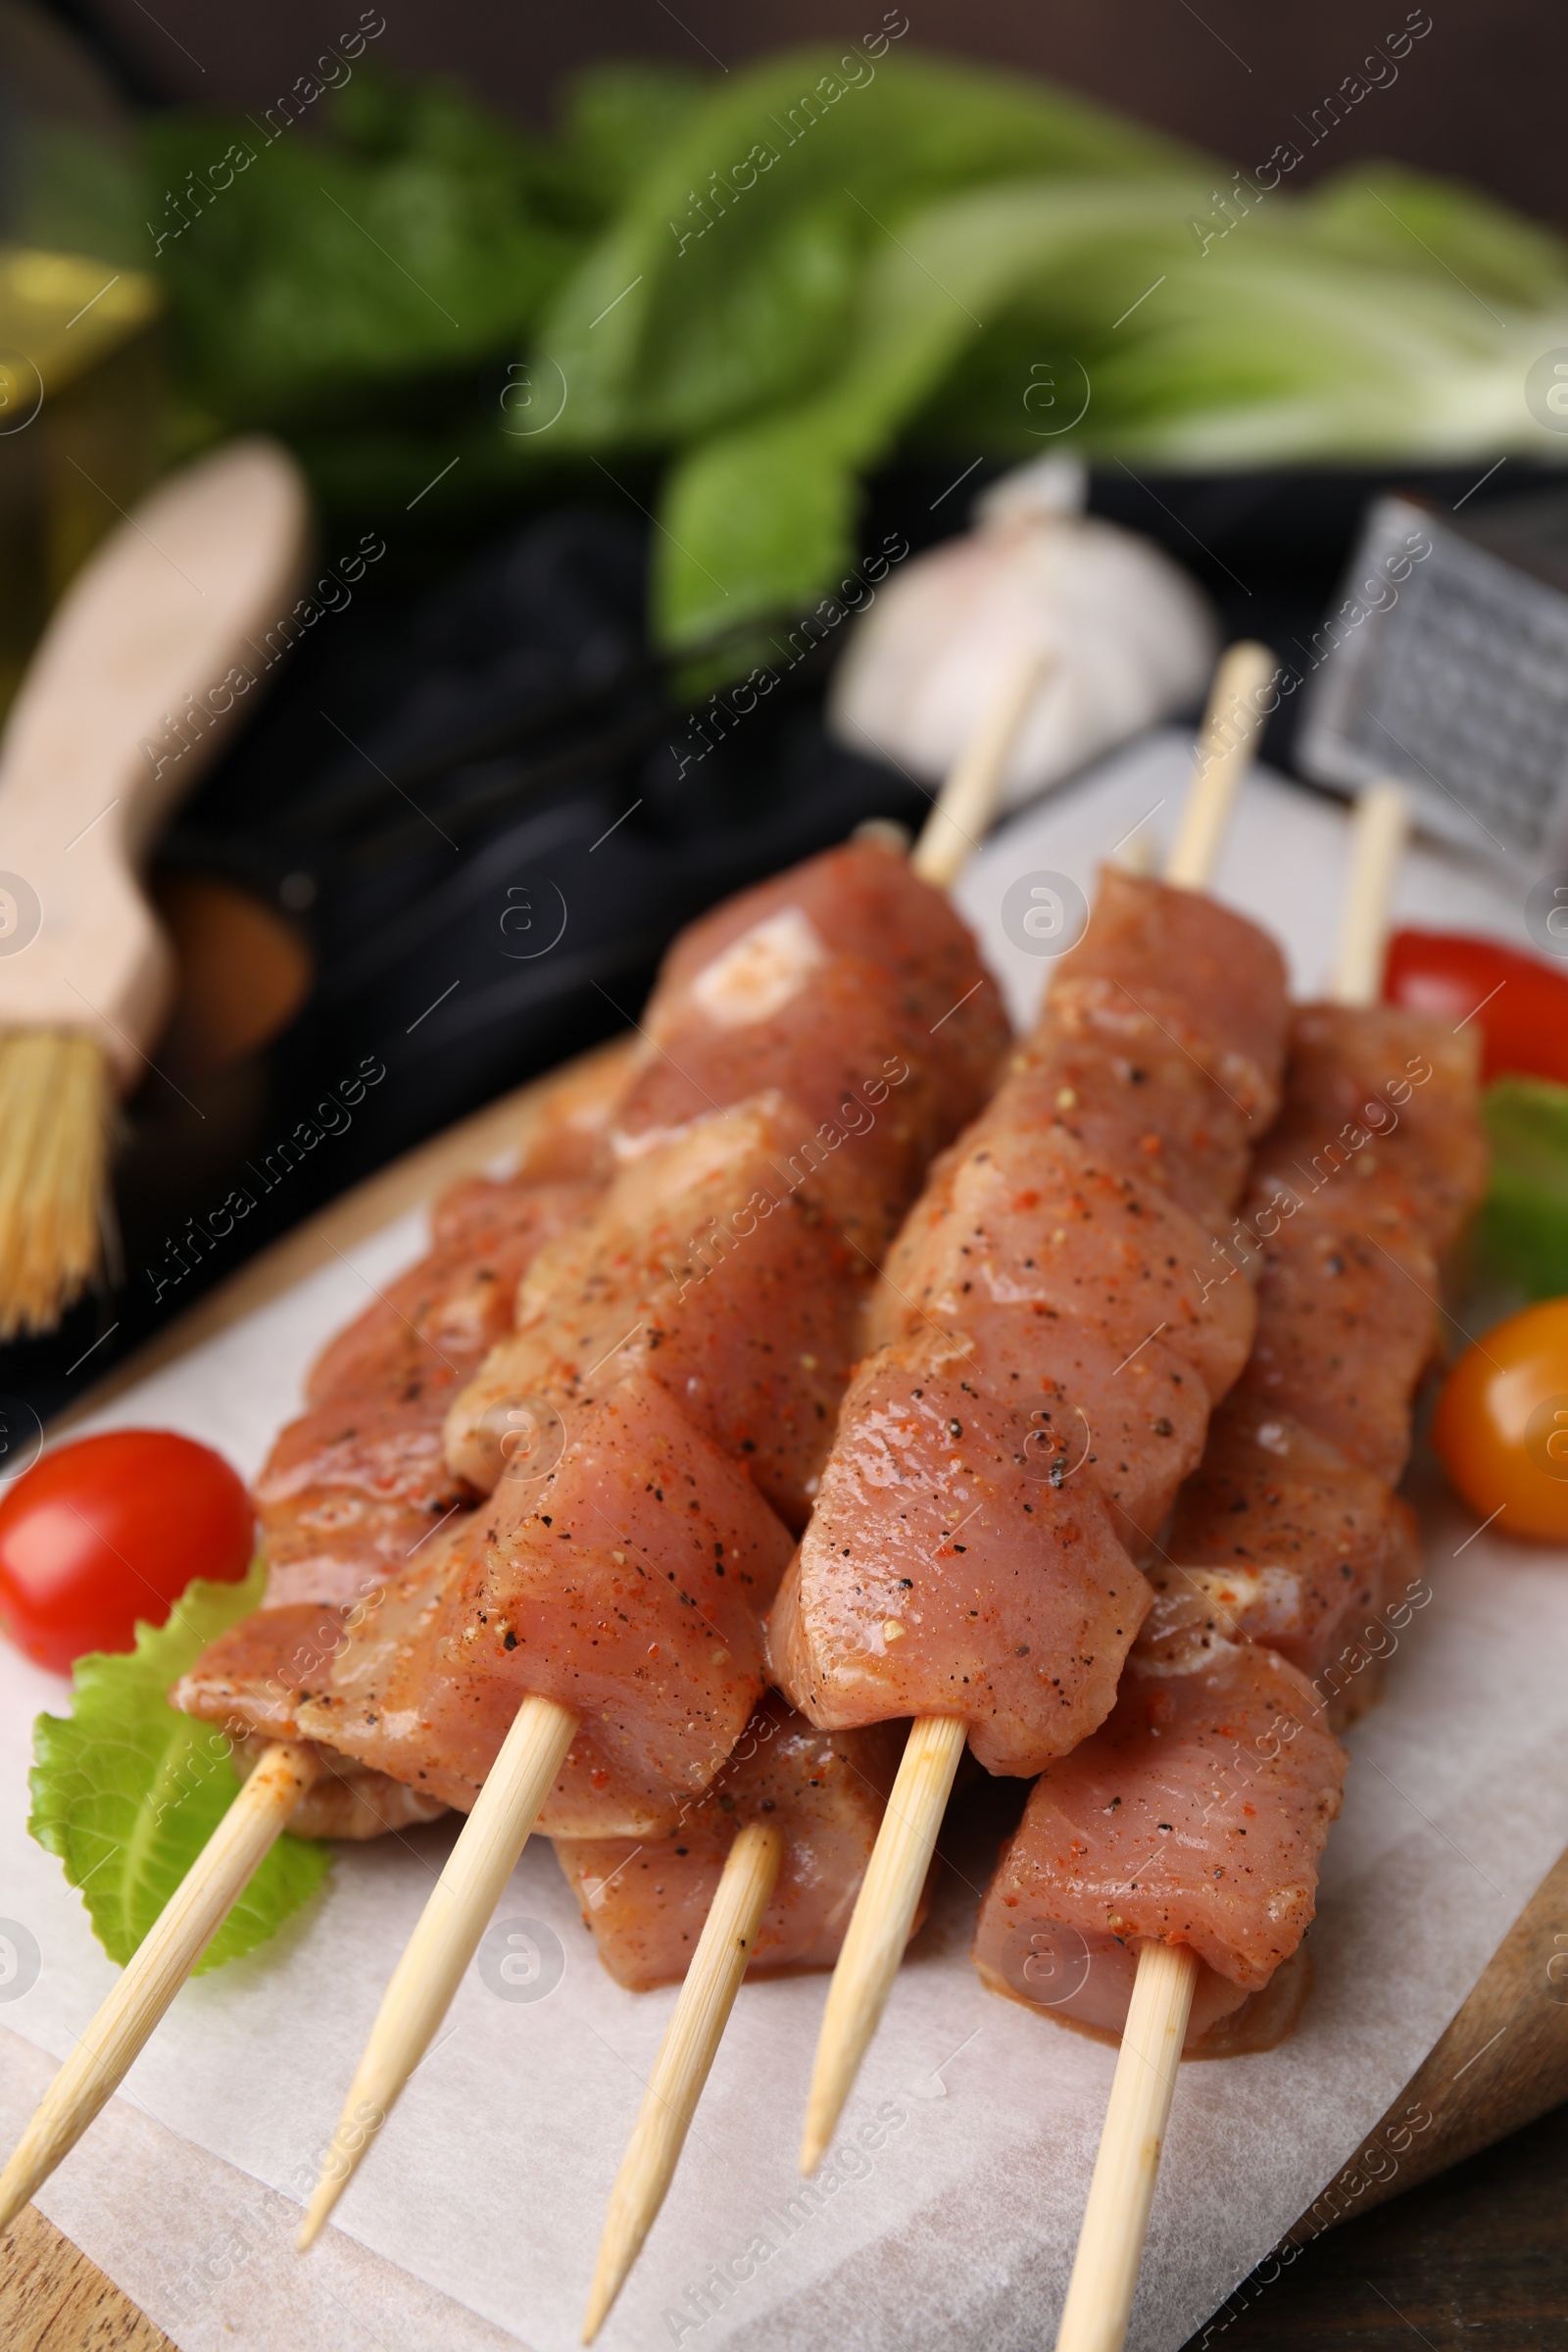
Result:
1502,2061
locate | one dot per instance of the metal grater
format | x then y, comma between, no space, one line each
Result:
1449,669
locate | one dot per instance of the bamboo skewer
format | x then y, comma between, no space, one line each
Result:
879,1927
1111,2243
868,1961
1232,725
967,804
159,1967
445,1939
685,2055
1378,832
510,1803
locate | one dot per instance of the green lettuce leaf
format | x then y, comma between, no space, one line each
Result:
1524,1224
126,1790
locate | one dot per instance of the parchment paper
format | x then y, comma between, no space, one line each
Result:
948,2214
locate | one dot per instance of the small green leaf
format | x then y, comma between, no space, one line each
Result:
126,1790
1524,1225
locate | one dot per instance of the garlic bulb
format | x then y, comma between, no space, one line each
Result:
1127,638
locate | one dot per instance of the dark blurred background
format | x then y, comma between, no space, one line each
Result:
1483,99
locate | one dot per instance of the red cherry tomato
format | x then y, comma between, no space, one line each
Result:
1519,1005
112,1528
1501,1424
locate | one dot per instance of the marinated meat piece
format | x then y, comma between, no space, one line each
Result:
352,1487
563,1135
1286,1541
252,1681
943,1574
437,1320
1195,1815
735,1287
1213,977
357,1487
350,1492
1346,1324
626,1581
864,902
389,1682
1392,1099
1029,1221
646,1902
872,1083
1359,1192
252,1678
1114,1079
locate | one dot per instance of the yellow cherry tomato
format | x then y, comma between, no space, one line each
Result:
1501,1426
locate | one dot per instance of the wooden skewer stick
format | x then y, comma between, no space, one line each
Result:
520,1779
879,1927
1232,725
1379,829
962,814
685,2056
157,1968
445,1939
1110,2244
869,1959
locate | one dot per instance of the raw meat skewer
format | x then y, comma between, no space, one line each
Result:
882,1916
1115,2222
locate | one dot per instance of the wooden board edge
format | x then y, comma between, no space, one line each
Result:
1500,2062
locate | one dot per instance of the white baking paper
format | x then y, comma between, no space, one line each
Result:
948,2214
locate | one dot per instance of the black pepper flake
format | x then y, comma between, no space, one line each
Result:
509,1640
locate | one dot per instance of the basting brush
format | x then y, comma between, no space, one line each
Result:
145,665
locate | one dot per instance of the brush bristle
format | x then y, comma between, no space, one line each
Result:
55,1111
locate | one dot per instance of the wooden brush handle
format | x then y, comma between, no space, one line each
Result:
161,644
